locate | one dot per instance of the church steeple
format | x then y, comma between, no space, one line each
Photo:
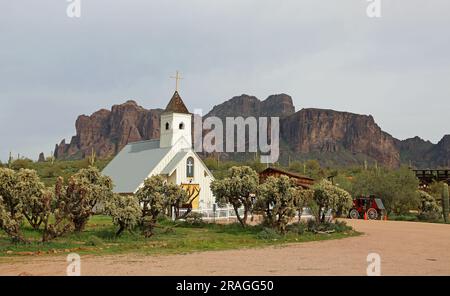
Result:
176,105
176,123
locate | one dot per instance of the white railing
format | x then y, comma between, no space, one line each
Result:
225,213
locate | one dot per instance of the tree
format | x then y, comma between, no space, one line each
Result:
11,205
397,188
305,197
31,191
57,205
238,190
176,198
278,199
428,209
330,197
152,197
124,210
86,190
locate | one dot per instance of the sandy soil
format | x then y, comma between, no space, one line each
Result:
406,248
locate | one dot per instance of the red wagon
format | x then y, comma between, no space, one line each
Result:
371,206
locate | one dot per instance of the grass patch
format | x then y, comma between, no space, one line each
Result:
170,238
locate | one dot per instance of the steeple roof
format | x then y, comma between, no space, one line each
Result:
176,105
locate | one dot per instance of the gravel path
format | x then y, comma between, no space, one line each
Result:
406,248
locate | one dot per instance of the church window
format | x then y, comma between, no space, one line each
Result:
181,126
190,167
167,125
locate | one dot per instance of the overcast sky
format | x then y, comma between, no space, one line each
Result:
324,53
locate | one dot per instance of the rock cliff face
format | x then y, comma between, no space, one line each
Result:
317,130
109,131
330,136
245,105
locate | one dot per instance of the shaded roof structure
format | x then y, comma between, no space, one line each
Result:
176,105
300,180
133,164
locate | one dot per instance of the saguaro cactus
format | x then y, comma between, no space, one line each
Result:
445,202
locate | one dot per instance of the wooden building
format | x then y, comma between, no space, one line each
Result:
300,180
429,176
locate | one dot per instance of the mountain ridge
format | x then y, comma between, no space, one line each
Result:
332,137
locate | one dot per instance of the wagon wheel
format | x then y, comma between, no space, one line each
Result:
372,214
354,214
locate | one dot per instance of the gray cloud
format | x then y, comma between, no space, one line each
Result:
324,53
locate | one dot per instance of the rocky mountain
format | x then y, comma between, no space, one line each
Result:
244,105
108,131
330,136
328,131
424,154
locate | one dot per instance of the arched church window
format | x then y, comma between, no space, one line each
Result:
190,167
167,125
181,125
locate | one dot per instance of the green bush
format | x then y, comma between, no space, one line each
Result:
338,226
297,228
94,241
428,209
195,219
268,234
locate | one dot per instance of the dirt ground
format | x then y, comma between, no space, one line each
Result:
406,248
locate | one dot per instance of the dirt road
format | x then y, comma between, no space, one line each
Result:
406,248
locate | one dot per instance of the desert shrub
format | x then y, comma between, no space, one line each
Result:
238,190
62,223
85,190
152,196
11,205
278,200
124,210
176,198
31,191
268,234
195,219
298,228
93,240
330,197
429,210
327,227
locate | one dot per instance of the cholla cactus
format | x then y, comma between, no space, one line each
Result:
330,197
124,210
278,200
10,205
30,189
445,203
428,209
85,190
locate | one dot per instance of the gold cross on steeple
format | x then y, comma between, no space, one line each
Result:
177,77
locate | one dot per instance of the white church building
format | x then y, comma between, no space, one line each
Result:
172,157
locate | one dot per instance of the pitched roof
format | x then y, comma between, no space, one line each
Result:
172,165
176,105
133,164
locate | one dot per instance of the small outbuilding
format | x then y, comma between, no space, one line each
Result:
302,181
